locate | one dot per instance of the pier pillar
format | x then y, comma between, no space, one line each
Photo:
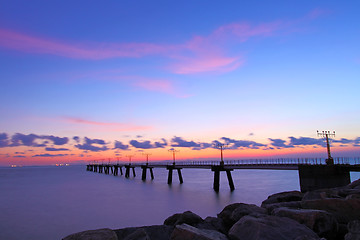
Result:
127,170
100,168
170,168
144,169
314,177
170,175
231,183
180,176
121,172
217,170
116,170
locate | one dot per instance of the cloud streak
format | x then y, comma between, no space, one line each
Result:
206,53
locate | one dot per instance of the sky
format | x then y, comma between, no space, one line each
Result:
86,81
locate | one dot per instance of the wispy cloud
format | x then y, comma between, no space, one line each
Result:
205,53
120,127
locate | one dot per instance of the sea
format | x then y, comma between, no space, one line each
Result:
51,202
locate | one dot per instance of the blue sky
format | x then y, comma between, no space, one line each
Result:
196,70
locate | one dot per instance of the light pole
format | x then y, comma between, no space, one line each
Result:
221,146
325,135
173,151
147,157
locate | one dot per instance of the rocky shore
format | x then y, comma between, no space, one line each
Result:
331,214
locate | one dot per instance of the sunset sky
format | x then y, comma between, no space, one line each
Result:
92,80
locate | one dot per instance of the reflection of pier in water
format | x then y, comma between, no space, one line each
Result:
314,173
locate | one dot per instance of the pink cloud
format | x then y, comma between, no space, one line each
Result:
207,64
208,53
121,127
32,44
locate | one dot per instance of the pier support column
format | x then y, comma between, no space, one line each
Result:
170,168
180,176
314,177
116,170
231,183
151,173
121,172
216,184
127,171
217,170
144,169
170,175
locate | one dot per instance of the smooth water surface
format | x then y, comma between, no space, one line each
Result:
53,202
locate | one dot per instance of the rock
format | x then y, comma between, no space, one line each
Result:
353,196
271,207
246,209
354,226
321,222
233,212
187,232
269,228
321,194
155,232
99,234
139,234
283,197
354,230
344,210
213,223
187,217
355,184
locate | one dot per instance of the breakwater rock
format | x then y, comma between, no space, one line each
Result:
332,214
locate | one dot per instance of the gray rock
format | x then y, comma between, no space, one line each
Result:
213,223
187,217
355,184
99,234
283,197
187,232
321,222
269,228
344,210
155,232
271,207
246,209
354,230
353,196
139,234
354,226
321,194
233,212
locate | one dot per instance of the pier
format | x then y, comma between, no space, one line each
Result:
314,173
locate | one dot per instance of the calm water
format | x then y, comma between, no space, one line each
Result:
52,202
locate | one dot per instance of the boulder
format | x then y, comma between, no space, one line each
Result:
271,207
213,223
158,232
139,234
99,234
354,230
283,197
269,228
233,212
344,210
321,194
187,232
187,217
355,184
321,222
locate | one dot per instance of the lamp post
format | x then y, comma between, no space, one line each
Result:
326,135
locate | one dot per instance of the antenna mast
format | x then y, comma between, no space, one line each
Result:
326,135
221,146
147,157
173,151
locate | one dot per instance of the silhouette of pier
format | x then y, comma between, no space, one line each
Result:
314,173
